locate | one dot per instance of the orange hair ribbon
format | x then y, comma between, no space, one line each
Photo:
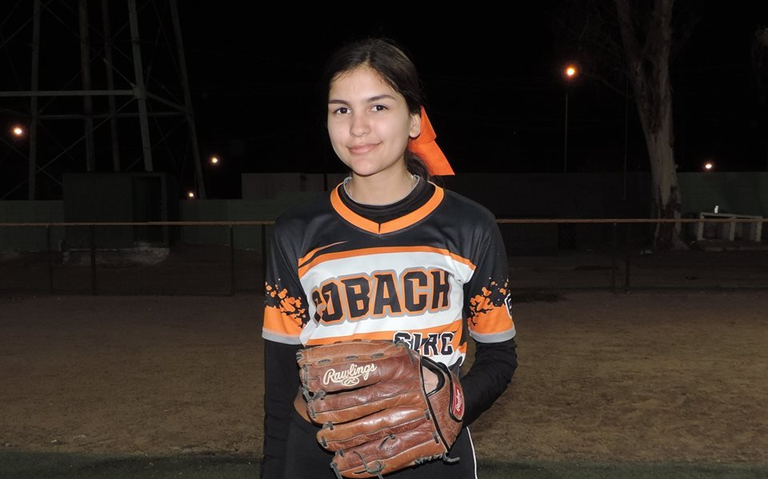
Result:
425,146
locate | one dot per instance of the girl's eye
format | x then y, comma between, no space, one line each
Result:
341,110
379,108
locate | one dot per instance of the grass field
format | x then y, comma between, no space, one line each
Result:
25,465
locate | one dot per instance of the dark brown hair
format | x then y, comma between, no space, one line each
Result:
389,60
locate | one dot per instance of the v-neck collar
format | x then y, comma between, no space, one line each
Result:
389,226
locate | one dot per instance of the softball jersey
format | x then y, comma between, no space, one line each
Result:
430,270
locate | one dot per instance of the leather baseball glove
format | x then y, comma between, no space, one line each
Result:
377,417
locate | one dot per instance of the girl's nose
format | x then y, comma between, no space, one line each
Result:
359,126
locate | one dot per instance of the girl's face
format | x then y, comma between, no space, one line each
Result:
369,123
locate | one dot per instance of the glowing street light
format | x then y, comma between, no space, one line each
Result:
191,195
214,160
570,72
709,166
17,131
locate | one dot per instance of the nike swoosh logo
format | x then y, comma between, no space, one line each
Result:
309,256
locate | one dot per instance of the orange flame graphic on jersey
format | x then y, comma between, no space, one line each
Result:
492,298
288,305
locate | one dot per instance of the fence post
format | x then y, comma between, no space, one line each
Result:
94,288
50,258
626,266
232,258
614,249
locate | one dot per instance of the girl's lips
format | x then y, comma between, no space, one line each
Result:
361,149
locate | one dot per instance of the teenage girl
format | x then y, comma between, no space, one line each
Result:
388,254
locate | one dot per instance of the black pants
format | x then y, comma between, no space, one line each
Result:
307,460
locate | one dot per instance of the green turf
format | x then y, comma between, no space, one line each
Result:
584,470
27,465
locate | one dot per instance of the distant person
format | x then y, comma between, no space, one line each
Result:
388,254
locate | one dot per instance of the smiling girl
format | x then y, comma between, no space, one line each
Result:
387,255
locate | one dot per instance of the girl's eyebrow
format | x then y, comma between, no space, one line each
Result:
372,99
383,96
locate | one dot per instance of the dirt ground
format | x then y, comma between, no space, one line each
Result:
646,376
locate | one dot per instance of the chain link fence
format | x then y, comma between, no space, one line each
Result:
228,258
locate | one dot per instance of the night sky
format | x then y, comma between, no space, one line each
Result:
494,90
493,83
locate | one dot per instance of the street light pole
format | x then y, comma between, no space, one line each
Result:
565,140
570,73
626,114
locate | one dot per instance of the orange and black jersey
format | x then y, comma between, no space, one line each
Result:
429,276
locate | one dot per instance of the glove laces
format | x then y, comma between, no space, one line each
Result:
370,470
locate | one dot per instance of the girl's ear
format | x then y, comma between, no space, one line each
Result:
415,125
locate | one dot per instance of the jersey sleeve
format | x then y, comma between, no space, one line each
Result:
285,308
489,319
487,295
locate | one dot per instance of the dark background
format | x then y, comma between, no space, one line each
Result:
495,91
492,76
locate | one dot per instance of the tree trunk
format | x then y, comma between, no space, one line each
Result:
648,70
666,191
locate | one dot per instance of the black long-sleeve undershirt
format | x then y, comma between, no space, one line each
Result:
281,382
491,372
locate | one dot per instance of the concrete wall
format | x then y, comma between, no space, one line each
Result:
740,193
31,238
118,197
245,236
263,186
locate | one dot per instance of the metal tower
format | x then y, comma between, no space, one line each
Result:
93,85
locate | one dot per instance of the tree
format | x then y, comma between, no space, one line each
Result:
647,47
638,41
